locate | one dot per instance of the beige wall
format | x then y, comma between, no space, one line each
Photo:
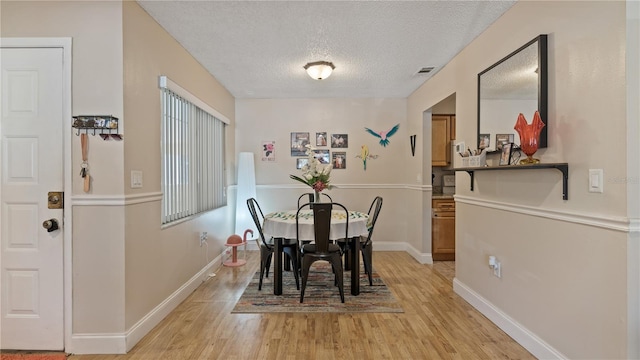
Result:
564,263
96,29
124,264
159,261
261,120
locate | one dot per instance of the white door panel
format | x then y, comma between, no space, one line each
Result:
31,137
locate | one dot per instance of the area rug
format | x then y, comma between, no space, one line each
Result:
321,295
27,355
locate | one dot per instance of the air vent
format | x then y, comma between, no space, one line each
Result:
425,70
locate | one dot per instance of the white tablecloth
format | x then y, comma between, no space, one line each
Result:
283,224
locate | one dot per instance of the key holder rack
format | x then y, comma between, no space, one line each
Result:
104,125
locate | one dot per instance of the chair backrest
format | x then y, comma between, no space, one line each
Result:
254,209
322,223
310,197
376,205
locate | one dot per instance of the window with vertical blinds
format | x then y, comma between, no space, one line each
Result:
193,153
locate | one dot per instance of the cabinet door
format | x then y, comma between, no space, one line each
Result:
440,132
452,122
443,241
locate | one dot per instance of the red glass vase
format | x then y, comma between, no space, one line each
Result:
529,136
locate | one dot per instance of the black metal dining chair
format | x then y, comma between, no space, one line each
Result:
289,246
365,241
322,248
310,196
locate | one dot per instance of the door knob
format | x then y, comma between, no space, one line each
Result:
50,225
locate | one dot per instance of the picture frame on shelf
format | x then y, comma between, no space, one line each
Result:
484,141
505,154
299,141
502,139
339,159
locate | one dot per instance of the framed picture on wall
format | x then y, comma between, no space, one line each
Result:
339,140
321,139
301,162
339,159
502,139
298,142
322,156
505,155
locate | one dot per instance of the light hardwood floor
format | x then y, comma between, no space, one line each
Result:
436,324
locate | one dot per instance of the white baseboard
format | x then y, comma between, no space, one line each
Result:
519,333
422,258
97,343
122,343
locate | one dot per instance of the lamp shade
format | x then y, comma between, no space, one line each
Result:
319,70
246,189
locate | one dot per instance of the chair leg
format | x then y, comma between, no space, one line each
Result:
367,255
295,267
268,265
336,262
306,264
265,261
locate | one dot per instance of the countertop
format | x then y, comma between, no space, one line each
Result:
441,196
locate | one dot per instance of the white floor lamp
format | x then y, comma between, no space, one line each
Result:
246,189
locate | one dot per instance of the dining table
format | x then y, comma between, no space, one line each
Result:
282,225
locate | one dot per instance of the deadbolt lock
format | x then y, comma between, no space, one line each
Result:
55,200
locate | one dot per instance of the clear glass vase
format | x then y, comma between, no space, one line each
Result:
316,196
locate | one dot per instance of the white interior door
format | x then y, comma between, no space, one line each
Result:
31,151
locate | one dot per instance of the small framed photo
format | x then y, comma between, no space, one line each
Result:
321,139
339,159
502,139
505,156
322,156
298,142
339,141
301,162
484,141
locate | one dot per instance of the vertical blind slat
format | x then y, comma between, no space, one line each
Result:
192,159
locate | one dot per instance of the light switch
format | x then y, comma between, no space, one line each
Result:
136,179
596,184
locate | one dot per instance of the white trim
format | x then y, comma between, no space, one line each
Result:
65,43
346,186
142,328
634,225
519,333
422,258
115,200
166,83
121,343
617,223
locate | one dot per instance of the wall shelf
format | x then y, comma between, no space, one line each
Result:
562,167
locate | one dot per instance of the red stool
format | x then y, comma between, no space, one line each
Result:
234,241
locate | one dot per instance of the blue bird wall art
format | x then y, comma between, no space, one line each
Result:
384,135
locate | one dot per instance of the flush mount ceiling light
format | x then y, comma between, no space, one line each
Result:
319,70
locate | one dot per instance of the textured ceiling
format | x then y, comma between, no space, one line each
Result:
257,49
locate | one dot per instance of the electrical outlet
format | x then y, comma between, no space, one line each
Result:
497,269
496,266
203,237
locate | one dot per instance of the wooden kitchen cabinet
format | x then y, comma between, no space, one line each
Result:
442,132
443,229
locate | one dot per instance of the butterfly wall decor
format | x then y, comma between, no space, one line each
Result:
384,135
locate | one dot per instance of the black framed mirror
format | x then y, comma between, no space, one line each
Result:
516,84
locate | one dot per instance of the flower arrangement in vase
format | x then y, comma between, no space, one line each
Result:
529,136
314,174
